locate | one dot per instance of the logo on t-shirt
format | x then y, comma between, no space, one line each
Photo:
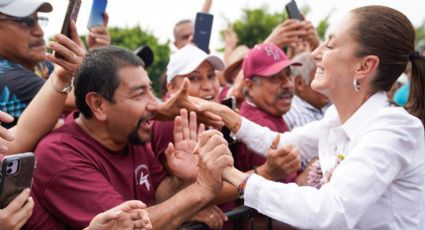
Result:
142,176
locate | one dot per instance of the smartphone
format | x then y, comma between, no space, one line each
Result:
231,103
15,176
71,14
293,11
202,33
96,14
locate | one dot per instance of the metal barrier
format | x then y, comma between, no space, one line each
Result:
237,215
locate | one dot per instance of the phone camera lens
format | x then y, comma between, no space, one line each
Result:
9,171
10,164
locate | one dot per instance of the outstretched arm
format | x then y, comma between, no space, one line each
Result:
43,112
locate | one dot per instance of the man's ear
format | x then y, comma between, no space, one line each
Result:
96,103
367,67
299,84
248,85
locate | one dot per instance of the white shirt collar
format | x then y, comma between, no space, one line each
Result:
356,122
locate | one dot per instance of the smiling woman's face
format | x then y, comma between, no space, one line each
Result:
203,82
335,61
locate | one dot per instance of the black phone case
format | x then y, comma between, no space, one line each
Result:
293,11
71,14
12,185
202,34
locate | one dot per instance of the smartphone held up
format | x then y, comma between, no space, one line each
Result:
97,12
293,11
71,15
15,176
202,33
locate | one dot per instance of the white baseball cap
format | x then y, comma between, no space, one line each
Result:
24,8
187,59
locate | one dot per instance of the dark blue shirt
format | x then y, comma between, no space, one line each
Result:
18,86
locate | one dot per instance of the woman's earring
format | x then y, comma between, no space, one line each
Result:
356,85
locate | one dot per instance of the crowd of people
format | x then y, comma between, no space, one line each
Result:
326,137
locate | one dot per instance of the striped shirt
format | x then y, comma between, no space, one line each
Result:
302,112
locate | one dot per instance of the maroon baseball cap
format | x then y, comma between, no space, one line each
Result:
265,60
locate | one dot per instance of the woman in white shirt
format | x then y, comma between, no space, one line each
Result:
379,183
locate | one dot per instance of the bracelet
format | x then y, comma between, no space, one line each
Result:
242,185
65,90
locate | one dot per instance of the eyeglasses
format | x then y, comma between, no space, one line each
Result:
29,21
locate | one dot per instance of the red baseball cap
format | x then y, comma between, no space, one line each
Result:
265,60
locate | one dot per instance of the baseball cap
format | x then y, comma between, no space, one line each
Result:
187,59
145,53
24,8
265,60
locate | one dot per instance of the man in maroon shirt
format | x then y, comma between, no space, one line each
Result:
269,89
98,159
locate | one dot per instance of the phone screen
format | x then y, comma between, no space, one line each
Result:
293,11
202,34
231,103
96,14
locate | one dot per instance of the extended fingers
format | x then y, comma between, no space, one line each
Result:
193,134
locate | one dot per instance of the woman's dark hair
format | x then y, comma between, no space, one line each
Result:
388,34
99,73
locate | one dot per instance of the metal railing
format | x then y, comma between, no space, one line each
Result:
237,215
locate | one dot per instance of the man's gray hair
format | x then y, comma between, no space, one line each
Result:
304,71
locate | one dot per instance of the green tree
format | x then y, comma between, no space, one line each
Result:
132,38
255,25
420,35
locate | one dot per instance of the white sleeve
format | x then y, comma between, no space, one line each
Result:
357,183
259,138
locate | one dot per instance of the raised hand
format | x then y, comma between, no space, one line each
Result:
181,161
99,36
280,162
128,215
211,216
287,32
72,52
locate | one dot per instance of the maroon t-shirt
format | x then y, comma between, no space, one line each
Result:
76,178
246,159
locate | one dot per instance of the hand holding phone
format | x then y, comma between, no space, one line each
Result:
96,17
202,34
15,175
293,11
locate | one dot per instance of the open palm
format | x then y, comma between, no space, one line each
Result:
181,160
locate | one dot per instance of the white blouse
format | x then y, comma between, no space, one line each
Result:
377,186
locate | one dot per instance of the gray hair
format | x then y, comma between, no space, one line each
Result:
308,64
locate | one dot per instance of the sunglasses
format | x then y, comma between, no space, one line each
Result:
29,21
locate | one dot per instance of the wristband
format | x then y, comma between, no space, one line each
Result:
242,185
